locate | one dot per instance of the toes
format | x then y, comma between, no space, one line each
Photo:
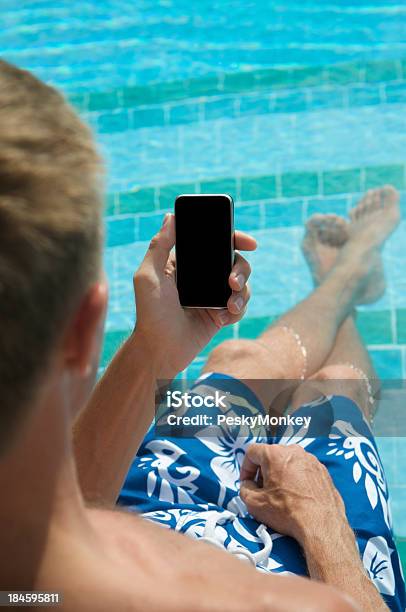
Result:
374,199
328,229
389,195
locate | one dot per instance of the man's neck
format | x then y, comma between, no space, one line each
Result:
40,497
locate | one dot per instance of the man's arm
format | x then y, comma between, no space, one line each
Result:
109,430
298,498
332,557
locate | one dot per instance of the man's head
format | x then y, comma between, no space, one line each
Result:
50,241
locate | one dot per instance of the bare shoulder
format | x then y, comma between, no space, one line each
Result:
164,570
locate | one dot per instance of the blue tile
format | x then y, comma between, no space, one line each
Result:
220,108
120,231
147,117
184,113
337,206
398,505
194,370
400,460
326,98
284,214
149,226
396,92
290,102
363,95
247,218
113,122
254,105
387,362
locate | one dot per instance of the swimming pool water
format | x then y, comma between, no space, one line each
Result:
291,107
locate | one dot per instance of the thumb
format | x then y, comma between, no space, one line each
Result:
247,487
161,245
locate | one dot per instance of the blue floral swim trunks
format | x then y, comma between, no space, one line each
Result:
191,485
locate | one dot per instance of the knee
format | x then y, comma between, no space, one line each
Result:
232,351
337,372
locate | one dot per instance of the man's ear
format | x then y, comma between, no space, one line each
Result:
85,331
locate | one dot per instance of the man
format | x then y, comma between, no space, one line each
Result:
52,308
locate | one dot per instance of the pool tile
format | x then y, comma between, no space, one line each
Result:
327,205
274,77
137,95
381,175
146,117
375,327
194,370
79,101
184,113
396,93
290,102
299,184
220,109
111,201
254,105
222,185
141,200
384,70
325,98
116,121
341,181
360,95
168,193
284,214
387,362
225,333
149,225
107,100
401,325
204,86
248,218
258,187
398,505
111,343
254,326
347,73
120,231
238,81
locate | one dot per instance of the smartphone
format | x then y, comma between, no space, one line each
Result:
204,226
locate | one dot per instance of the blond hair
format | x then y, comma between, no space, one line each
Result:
50,230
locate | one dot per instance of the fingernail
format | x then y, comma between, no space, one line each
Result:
224,318
239,303
240,280
165,221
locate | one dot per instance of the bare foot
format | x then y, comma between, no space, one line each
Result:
375,217
372,221
325,235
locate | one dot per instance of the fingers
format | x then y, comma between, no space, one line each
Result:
252,461
240,273
248,489
238,301
161,245
244,242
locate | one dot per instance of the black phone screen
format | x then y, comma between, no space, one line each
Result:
204,249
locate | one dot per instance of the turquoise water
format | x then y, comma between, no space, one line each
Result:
292,108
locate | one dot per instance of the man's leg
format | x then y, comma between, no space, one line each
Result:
347,371
300,342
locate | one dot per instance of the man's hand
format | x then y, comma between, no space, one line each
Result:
293,493
169,333
288,489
